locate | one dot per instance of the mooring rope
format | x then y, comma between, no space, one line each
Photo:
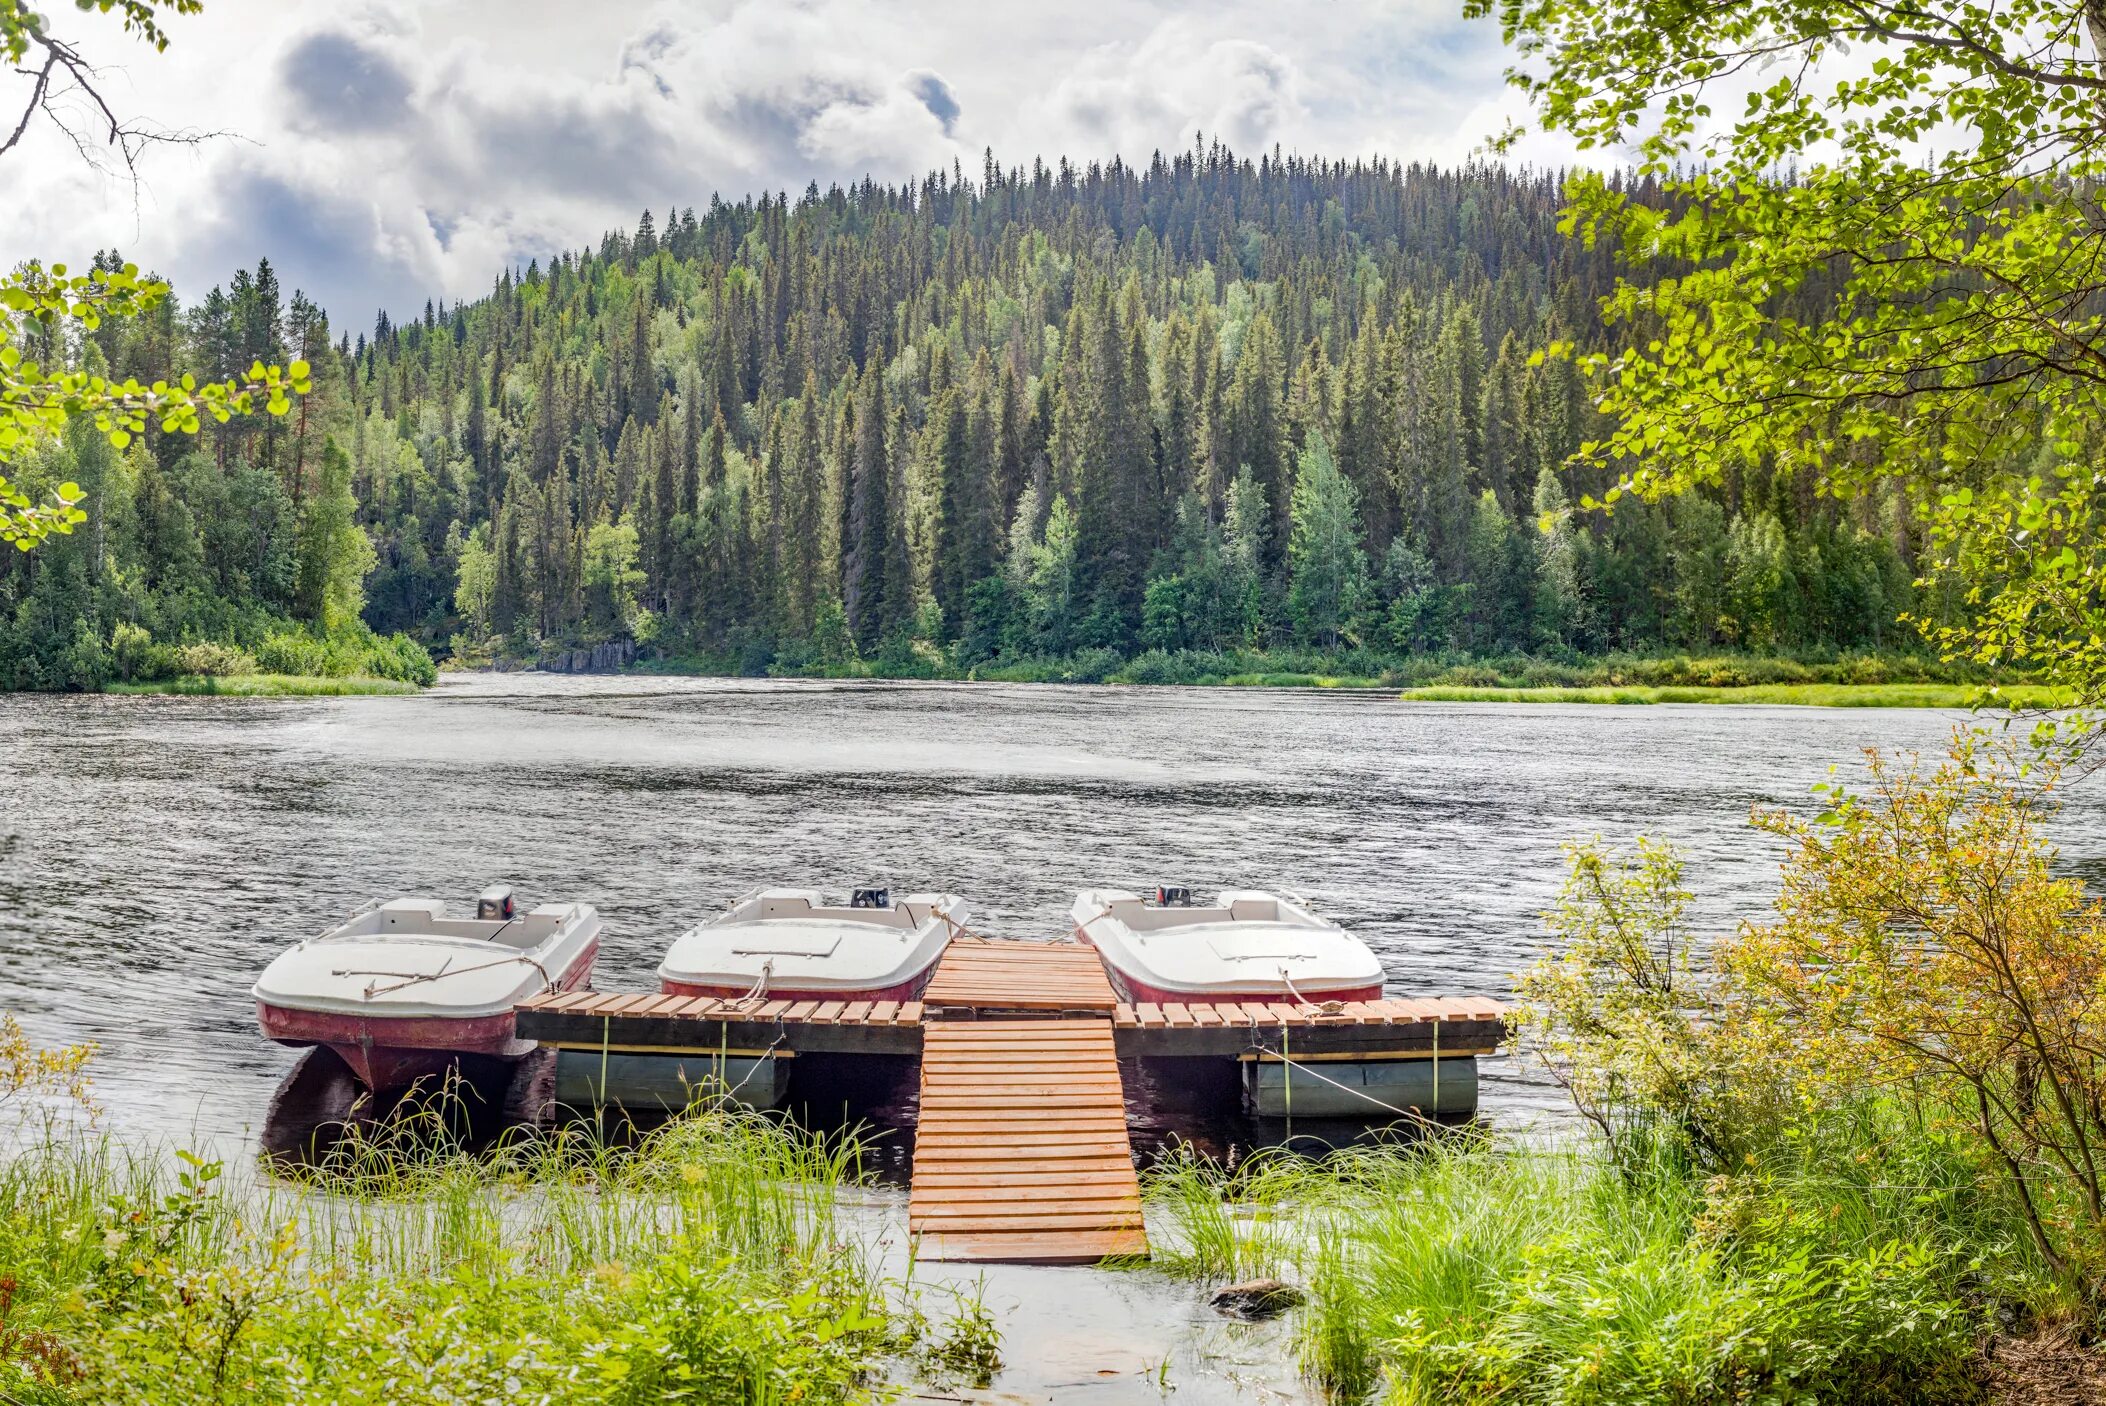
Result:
1282,1056
757,994
957,928
732,1091
1321,1007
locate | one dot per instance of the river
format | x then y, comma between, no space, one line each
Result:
155,852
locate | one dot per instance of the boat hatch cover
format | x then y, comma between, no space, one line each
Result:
1230,952
818,944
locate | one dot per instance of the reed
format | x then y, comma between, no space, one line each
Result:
1865,1259
703,1261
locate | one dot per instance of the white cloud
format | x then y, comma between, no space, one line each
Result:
402,152
1174,87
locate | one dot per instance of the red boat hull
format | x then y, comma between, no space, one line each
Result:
906,990
1141,993
392,1052
903,991
1132,989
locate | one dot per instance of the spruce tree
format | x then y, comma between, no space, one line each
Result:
869,517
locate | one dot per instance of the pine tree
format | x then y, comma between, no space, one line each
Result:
1256,436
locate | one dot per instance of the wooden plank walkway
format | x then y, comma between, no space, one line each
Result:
1434,1026
649,1022
615,1004
1050,977
1465,1010
1021,1154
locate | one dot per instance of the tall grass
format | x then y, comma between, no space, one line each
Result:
704,1262
1862,1260
1811,695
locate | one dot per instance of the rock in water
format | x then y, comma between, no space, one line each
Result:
1257,1298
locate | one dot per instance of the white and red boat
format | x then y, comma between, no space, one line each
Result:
1248,945
402,991
791,945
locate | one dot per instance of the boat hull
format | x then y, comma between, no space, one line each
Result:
900,991
387,1053
1138,990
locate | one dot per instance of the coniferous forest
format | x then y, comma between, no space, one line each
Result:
1060,420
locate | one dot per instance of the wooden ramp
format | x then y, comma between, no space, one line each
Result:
1021,1154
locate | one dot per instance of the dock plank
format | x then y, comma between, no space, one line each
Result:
1020,976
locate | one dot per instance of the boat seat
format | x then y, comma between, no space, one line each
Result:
1254,910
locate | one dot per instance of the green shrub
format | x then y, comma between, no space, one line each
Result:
212,660
134,655
1092,665
402,658
291,652
1155,667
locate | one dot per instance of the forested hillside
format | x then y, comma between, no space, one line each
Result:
1209,405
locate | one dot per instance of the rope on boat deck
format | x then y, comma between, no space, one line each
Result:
446,968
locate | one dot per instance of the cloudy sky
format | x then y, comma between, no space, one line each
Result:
383,153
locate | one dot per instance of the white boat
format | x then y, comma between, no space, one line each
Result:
402,990
790,944
1248,945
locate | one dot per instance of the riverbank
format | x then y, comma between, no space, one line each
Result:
1832,680
267,686
1807,695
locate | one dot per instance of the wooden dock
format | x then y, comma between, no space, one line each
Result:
1021,1151
978,975
1021,1155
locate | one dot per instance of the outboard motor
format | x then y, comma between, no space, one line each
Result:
494,904
871,898
1172,896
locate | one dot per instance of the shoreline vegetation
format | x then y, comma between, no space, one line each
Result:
708,1261
1845,680
267,686
1807,695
